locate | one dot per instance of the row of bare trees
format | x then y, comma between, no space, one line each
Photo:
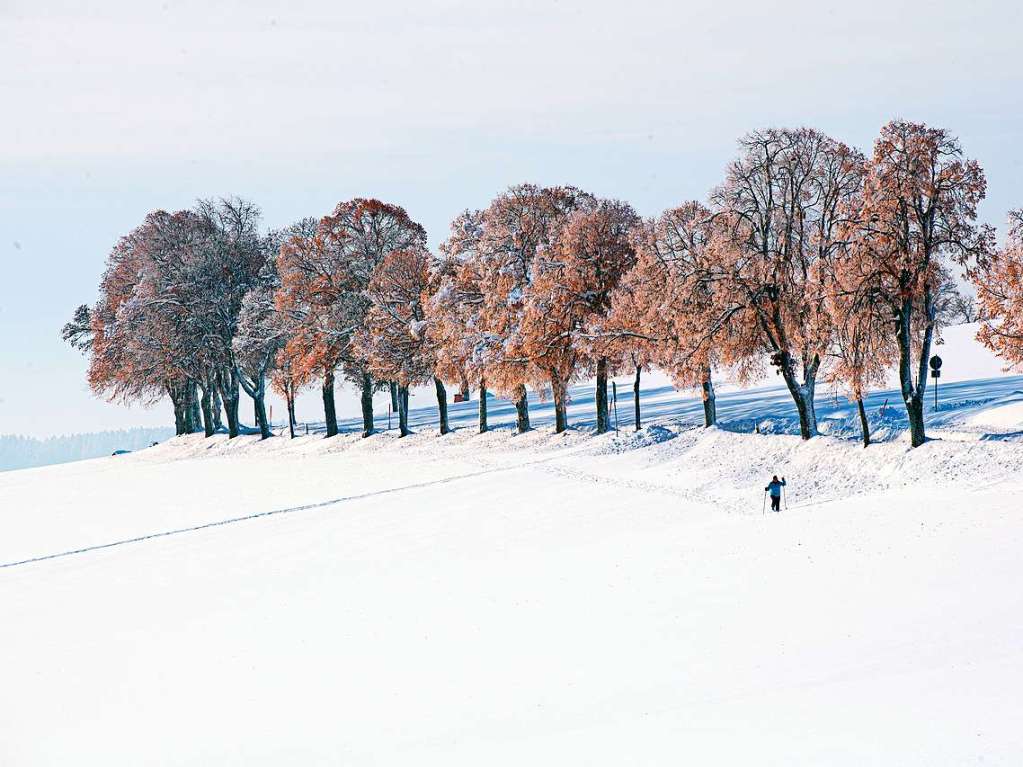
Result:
809,257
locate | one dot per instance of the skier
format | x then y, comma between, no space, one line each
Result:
774,488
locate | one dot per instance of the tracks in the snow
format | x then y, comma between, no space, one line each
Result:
543,464
256,515
633,484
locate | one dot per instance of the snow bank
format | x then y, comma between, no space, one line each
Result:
1001,417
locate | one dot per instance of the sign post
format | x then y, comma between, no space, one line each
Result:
935,374
614,399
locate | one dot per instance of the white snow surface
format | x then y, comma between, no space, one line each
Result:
541,599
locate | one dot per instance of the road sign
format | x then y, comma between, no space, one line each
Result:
935,374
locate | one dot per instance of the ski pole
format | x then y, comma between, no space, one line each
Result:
763,506
784,498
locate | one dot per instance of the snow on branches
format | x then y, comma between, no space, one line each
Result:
808,257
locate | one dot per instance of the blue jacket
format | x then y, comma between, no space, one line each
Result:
775,487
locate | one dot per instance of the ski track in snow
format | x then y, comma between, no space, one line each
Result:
490,468
271,513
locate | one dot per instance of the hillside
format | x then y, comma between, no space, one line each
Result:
535,599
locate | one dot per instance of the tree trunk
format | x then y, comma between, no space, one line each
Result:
483,406
464,391
602,419
710,403
913,392
864,424
227,382
635,396
231,410
179,410
259,406
367,404
329,411
558,390
194,412
207,411
802,394
442,404
290,397
256,389
807,416
521,409
394,397
218,406
915,409
403,430
179,420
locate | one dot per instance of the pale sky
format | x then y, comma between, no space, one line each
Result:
110,111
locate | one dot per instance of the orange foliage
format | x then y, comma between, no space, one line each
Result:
324,276
999,283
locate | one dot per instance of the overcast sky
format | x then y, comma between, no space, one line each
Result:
109,112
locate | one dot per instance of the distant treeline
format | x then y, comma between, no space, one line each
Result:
17,452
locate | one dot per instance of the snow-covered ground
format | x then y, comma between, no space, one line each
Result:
537,599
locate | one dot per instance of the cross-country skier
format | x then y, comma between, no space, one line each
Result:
774,488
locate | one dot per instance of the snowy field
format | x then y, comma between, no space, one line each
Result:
537,599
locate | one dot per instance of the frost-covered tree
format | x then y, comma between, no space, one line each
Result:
777,220
263,330
323,282
570,295
917,220
462,345
216,275
863,346
672,303
502,242
999,283
395,342
168,310
140,343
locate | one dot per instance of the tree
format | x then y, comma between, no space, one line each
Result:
962,309
286,381
323,284
140,343
571,294
215,277
668,308
778,215
999,283
311,301
864,347
502,242
263,331
917,219
394,341
462,346
621,329
951,305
